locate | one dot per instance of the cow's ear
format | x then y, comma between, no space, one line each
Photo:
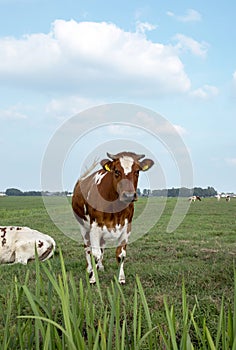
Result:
146,164
106,164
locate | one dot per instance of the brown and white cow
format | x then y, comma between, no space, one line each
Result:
194,198
18,244
103,203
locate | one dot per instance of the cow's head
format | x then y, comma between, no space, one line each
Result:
124,168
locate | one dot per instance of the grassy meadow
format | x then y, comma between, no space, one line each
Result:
179,293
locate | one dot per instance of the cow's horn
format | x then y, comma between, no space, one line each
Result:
112,156
140,156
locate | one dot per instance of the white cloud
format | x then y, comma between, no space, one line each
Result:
96,59
12,113
143,27
205,92
170,14
185,43
162,127
190,16
66,107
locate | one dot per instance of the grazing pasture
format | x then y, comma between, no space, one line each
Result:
190,269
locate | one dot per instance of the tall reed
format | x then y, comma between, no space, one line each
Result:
59,312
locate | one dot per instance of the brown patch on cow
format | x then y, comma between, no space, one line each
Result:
46,253
102,242
119,250
19,228
87,237
40,244
4,241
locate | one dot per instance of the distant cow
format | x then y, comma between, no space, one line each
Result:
227,198
194,198
18,244
103,203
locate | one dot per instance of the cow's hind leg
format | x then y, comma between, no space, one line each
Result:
120,257
88,251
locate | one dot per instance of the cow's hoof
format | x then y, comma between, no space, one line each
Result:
92,280
100,267
122,282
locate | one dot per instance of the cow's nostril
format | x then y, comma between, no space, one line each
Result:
129,196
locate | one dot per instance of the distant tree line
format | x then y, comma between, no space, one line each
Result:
171,192
17,192
182,192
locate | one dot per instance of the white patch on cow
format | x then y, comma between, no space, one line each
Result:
103,234
18,245
98,177
116,235
126,163
121,277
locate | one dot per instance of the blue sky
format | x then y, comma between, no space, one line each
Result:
59,58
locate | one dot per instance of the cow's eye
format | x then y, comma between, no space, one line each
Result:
117,173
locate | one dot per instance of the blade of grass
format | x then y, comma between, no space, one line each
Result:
55,324
209,339
39,329
151,339
221,328
135,317
6,336
171,325
144,303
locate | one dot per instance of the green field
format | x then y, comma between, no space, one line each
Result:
200,253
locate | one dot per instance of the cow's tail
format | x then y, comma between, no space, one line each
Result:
89,170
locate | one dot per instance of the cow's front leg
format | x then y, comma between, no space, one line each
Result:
99,264
98,261
120,257
87,250
97,250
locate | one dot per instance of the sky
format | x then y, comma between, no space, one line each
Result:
61,59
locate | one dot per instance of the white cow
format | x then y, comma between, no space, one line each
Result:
17,245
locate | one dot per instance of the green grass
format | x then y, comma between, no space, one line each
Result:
154,310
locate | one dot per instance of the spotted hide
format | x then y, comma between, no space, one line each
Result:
103,204
17,245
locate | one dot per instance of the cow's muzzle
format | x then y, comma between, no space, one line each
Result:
128,197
